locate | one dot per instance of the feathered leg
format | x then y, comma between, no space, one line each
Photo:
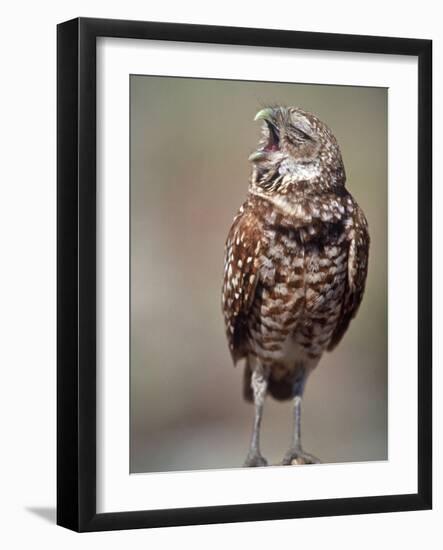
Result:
259,384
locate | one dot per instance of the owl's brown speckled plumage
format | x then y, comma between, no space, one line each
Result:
295,263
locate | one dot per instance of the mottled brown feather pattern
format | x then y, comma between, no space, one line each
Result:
358,256
241,276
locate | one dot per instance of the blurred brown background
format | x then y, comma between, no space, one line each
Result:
190,140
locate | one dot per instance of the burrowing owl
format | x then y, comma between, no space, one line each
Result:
296,260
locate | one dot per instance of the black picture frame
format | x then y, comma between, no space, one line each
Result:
76,279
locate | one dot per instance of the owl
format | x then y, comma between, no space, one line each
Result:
296,260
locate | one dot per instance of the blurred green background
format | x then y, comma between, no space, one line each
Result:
190,140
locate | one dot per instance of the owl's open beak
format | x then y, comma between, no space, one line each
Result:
273,144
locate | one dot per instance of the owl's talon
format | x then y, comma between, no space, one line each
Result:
255,460
298,457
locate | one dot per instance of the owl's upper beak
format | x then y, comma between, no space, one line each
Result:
266,114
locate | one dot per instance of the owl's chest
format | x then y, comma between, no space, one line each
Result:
302,274
302,284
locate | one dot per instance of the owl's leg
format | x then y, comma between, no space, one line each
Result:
296,454
259,385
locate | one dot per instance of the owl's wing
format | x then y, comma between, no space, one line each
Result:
241,271
357,271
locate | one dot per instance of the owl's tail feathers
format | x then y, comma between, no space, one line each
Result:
281,389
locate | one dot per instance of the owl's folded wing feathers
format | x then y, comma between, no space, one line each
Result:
357,271
241,273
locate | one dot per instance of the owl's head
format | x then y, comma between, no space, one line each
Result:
296,151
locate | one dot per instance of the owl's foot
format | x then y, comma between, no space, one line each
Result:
297,457
255,460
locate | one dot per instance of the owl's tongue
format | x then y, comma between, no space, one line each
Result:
272,147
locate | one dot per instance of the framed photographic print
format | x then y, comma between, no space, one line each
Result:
250,198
